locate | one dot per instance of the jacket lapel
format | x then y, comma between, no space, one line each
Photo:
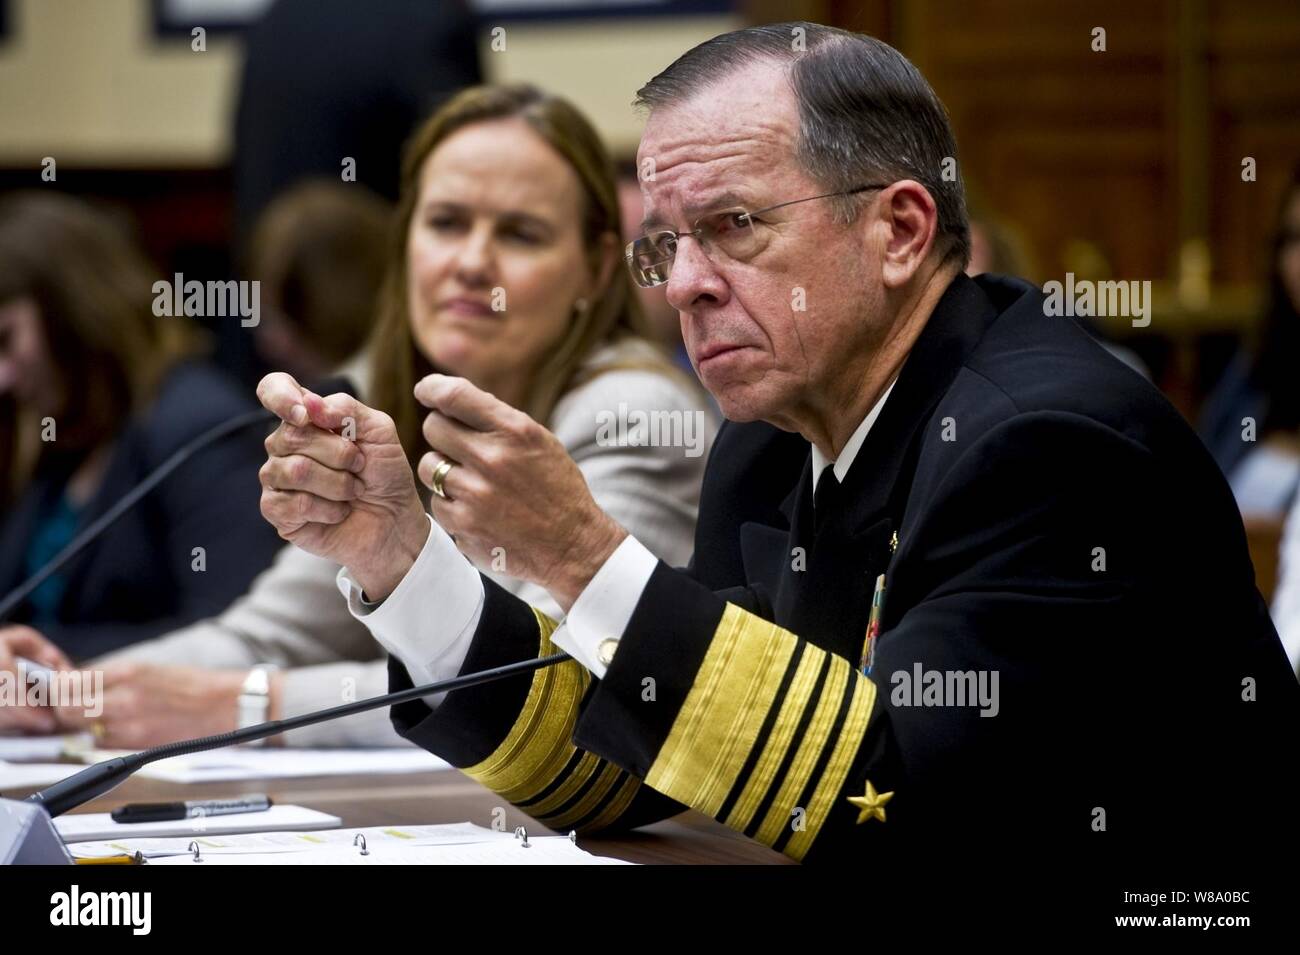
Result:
829,599
877,484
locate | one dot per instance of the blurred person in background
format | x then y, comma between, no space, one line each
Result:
328,80
506,189
1251,420
318,251
1262,384
998,247
96,391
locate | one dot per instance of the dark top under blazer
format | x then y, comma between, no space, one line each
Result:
1138,705
136,581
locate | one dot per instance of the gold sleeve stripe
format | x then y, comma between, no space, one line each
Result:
810,749
832,780
588,763
712,739
539,745
778,742
585,806
617,804
719,722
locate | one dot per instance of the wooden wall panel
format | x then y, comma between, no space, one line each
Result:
1135,150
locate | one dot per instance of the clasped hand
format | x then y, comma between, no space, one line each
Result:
337,484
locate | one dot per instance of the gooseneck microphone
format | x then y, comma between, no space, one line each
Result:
100,778
102,523
125,503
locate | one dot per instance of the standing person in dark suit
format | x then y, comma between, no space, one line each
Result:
97,391
326,80
1007,604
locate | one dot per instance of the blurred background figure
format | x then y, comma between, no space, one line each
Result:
1251,421
997,247
329,80
96,391
319,252
1261,386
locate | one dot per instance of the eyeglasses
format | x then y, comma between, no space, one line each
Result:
729,233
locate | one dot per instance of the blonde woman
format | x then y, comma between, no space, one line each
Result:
504,269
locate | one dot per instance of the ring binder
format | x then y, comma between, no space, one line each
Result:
359,842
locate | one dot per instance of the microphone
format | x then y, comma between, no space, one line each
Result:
106,520
100,778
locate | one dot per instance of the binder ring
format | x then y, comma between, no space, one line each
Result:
360,840
194,847
522,833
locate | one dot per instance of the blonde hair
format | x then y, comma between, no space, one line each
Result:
614,312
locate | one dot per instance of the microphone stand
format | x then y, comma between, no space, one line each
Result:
100,778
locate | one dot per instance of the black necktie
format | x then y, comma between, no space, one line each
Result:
826,497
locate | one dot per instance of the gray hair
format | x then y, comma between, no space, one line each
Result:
865,112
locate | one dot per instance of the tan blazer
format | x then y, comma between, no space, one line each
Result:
293,615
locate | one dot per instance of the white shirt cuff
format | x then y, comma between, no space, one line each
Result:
429,619
605,606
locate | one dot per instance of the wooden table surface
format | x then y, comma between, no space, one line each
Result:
449,796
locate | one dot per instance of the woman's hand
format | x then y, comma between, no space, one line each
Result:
18,641
147,704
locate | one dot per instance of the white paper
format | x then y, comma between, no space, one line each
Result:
276,842
93,826
41,748
245,763
34,775
549,850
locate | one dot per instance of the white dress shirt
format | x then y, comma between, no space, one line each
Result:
428,621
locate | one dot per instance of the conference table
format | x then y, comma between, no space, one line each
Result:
448,796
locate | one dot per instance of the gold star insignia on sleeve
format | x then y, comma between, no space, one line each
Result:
871,803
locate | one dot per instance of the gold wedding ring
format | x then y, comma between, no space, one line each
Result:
439,475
